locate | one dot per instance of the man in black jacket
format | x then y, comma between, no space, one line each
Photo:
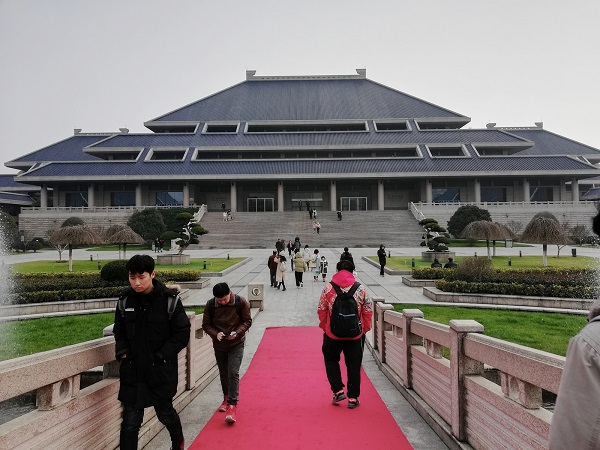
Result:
148,338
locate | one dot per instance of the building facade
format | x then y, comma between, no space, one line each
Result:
273,143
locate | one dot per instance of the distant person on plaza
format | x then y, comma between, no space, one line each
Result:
156,245
315,226
229,216
315,264
450,264
223,207
272,263
290,246
382,259
333,345
346,256
224,216
161,245
318,226
307,255
323,267
314,215
308,208
281,270
300,267
147,340
436,264
339,215
576,419
226,320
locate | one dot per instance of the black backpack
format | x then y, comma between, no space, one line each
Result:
345,321
210,307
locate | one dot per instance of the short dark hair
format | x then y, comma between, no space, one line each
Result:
345,249
344,264
140,264
220,290
274,252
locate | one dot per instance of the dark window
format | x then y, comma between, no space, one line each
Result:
226,128
167,155
445,195
493,194
391,126
76,199
541,194
122,198
307,127
169,198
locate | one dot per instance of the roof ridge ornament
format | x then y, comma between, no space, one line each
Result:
361,74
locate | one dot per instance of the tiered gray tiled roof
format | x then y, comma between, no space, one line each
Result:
547,143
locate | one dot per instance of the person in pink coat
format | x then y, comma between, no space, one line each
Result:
353,347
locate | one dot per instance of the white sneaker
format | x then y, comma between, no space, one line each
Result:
301,284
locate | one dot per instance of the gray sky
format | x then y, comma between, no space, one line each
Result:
100,65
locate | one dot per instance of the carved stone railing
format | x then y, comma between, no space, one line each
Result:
68,416
440,369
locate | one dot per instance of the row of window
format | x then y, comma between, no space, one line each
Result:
202,154
126,198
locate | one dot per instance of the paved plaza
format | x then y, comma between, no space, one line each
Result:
297,307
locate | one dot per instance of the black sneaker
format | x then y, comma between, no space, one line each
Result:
353,404
338,397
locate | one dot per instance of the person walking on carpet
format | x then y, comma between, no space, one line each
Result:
352,346
151,328
226,320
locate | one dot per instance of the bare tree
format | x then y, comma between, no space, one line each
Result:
490,231
514,226
75,235
544,230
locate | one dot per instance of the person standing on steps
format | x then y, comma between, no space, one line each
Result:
226,320
352,347
299,268
382,259
281,270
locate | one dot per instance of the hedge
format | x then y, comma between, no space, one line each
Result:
540,290
427,273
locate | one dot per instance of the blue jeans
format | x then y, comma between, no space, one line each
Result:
132,421
229,371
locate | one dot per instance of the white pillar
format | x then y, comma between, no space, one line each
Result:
428,192
333,196
575,190
526,194
233,200
280,196
44,197
90,199
186,194
563,191
477,190
380,196
55,197
138,195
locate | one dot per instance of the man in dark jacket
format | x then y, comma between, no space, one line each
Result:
346,256
272,263
226,320
148,340
382,259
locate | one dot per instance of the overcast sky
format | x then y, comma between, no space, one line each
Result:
100,65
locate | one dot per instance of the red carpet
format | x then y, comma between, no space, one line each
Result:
285,403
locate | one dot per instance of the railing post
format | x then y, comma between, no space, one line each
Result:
110,369
191,351
382,327
256,295
376,301
409,339
461,366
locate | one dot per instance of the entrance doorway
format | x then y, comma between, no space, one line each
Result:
353,203
260,204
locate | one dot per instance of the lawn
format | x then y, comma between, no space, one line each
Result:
25,337
549,332
212,265
500,262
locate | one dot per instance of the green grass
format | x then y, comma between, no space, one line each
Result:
212,265
500,262
549,332
467,243
26,337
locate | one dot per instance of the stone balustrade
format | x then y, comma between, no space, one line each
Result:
440,370
69,416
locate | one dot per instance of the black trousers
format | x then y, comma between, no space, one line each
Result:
132,421
273,282
298,278
353,353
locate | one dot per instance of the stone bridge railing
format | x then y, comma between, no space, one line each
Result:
71,416
440,370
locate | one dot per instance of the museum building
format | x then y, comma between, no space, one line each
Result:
273,143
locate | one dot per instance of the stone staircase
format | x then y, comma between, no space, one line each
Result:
357,229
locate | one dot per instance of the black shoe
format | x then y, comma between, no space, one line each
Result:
353,404
338,397
284,289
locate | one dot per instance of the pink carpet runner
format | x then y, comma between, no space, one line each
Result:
285,403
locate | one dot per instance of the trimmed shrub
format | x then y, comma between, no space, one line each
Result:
115,271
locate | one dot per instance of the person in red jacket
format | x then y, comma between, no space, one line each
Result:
333,346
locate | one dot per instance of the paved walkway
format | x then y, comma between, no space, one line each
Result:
297,307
